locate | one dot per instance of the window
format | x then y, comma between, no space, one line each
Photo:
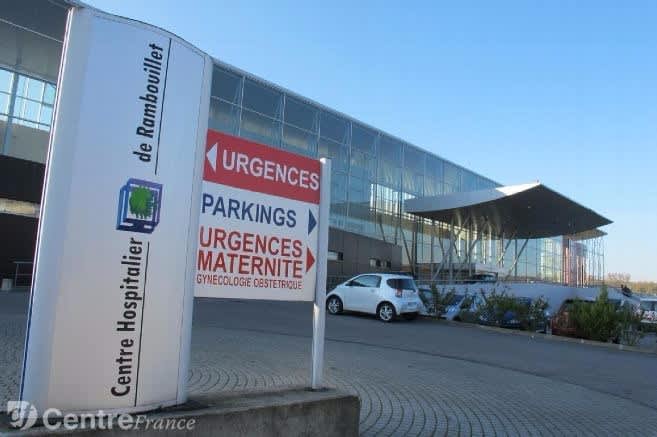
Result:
388,264
26,111
299,140
335,256
390,150
401,283
332,127
262,99
375,262
363,139
300,114
224,116
226,85
366,281
259,128
33,101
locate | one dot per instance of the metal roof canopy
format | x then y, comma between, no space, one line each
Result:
515,211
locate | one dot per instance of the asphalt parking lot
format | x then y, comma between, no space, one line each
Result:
414,378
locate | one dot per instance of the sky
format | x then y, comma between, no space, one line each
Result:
564,92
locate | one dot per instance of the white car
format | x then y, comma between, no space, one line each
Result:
385,295
649,307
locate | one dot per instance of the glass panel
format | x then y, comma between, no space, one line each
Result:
260,128
333,127
390,150
299,140
21,88
262,99
434,168
413,182
300,114
338,187
49,94
452,176
46,115
359,190
363,165
388,174
26,109
223,116
226,85
34,89
363,139
4,104
432,187
5,80
468,181
366,281
338,153
413,159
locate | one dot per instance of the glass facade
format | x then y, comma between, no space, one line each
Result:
30,49
373,173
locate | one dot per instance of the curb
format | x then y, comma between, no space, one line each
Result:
548,337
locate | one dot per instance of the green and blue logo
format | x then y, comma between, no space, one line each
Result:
139,206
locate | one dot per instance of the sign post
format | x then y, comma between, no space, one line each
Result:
264,228
319,307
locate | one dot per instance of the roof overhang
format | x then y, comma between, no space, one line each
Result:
516,211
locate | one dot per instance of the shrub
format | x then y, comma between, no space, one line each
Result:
629,328
441,299
601,320
498,307
596,320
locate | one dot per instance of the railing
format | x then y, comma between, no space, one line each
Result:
23,273
333,281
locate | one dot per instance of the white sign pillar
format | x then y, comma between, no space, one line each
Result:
109,323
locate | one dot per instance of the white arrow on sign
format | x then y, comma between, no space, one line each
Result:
212,156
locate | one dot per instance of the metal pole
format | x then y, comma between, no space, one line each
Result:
319,308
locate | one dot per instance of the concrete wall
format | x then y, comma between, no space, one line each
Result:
294,411
555,294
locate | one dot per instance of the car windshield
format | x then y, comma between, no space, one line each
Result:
401,283
648,305
524,301
456,299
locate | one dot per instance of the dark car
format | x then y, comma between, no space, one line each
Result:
562,322
481,277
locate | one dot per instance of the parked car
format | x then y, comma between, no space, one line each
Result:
481,277
454,307
385,295
451,309
511,320
562,323
649,307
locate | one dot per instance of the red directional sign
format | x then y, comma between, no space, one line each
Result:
251,166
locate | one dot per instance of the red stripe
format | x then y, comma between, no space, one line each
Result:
255,167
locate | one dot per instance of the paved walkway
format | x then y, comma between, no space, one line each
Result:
409,376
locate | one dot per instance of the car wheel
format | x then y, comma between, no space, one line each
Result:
386,312
334,305
410,316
